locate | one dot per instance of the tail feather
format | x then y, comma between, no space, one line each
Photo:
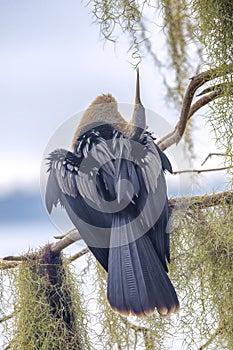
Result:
127,289
137,281
166,300
124,293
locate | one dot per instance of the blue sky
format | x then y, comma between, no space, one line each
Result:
53,63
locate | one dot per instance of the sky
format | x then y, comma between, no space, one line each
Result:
53,63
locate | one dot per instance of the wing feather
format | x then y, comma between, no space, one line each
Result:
135,253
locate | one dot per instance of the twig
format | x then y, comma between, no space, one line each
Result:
215,154
14,258
222,87
211,339
198,171
59,237
71,237
187,109
78,255
201,102
133,326
73,230
8,317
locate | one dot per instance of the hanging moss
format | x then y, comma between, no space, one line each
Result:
115,17
214,19
206,244
50,314
179,30
215,29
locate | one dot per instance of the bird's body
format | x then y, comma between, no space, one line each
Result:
113,188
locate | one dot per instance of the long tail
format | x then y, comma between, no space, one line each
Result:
137,281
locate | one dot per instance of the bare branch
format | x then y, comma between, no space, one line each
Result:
221,87
73,230
204,101
198,171
215,154
14,258
8,317
188,109
60,237
77,255
71,237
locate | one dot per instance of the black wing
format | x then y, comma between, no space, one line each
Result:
114,191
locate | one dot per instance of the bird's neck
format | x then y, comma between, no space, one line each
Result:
138,121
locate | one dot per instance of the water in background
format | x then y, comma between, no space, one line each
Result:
25,225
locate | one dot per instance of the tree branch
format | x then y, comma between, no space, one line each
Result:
222,87
68,239
15,258
215,154
77,255
201,202
188,109
8,317
212,338
204,101
71,237
198,171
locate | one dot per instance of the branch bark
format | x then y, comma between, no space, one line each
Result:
77,255
201,102
68,239
215,154
198,171
202,202
8,317
188,109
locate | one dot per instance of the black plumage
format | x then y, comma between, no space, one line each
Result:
113,188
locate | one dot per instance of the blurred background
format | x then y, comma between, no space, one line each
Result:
53,63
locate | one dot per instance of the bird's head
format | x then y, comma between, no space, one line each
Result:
103,109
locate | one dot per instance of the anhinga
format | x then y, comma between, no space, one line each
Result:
113,188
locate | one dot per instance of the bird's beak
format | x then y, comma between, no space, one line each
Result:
137,94
138,120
